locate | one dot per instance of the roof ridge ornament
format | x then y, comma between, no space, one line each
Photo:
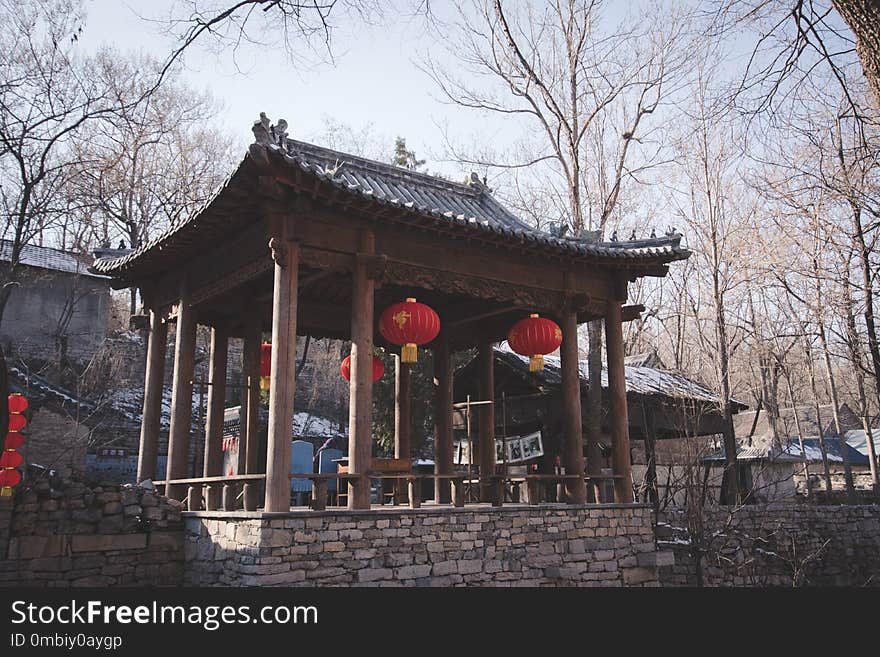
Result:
266,134
473,181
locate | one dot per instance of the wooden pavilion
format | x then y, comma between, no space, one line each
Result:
305,240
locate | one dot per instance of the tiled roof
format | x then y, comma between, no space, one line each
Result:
466,207
810,425
44,257
791,452
640,380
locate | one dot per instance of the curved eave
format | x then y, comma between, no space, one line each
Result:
188,237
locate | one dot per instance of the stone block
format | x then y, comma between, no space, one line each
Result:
470,566
632,576
412,572
166,540
105,542
374,574
34,547
445,568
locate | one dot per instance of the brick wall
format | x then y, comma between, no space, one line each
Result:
773,545
76,535
508,546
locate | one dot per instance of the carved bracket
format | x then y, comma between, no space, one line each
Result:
278,249
376,265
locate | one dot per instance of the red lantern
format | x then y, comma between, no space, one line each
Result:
265,365
10,478
534,337
17,422
409,324
14,440
10,459
378,368
17,403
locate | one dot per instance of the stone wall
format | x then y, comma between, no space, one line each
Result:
548,545
772,545
74,535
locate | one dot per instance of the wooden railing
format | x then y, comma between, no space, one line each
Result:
223,492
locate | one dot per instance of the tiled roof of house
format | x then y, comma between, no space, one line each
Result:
464,207
791,452
43,257
641,380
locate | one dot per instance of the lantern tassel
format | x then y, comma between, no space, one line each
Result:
536,363
6,491
409,353
264,382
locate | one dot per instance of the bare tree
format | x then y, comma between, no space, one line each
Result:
48,92
155,162
587,91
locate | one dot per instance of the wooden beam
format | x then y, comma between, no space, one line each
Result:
216,408
361,383
181,393
573,447
285,254
619,417
153,386
631,312
475,318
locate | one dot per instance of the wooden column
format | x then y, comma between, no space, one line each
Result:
216,407
572,421
249,416
402,421
285,253
619,418
443,419
402,408
153,386
652,494
181,394
487,421
360,410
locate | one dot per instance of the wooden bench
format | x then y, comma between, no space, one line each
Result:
536,483
319,485
414,490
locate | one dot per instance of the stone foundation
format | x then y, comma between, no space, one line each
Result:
82,536
772,545
547,545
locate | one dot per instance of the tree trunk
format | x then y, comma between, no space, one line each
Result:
800,435
863,18
826,471
832,386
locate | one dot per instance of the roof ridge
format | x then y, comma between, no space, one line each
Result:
295,145
28,245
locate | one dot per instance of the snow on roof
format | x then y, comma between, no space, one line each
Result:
856,439
306,424
44,257
639,379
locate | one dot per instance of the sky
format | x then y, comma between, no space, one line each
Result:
374,80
